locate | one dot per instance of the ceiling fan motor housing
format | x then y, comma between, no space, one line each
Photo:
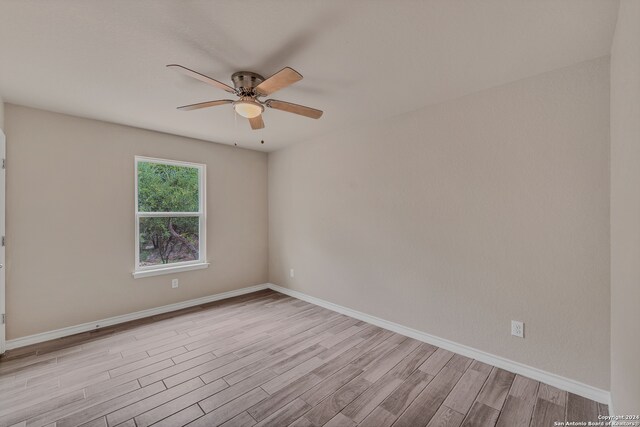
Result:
246,81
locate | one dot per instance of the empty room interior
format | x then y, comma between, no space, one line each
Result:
320,213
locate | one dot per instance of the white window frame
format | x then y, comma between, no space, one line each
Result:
155,270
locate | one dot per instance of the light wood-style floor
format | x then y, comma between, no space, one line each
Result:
266,359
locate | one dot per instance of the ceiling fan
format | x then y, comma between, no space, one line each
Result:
249,87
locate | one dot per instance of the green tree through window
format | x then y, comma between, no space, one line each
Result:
169,213
167,188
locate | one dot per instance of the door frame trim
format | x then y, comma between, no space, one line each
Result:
3,252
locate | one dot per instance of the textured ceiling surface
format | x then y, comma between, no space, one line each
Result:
362,60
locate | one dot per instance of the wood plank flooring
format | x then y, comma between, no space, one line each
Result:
266,359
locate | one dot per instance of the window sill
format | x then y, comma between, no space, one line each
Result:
169,270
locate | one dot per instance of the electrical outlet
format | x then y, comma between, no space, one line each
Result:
174,283
517,328
291,273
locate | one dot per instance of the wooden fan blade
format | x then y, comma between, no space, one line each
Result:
205,104
257,122
294,108
202,77
283,78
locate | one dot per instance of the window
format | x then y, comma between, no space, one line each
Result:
170,216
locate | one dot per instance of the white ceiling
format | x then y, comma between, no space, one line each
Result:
362,59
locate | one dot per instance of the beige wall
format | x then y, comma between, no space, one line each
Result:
457,218
70,223
625,211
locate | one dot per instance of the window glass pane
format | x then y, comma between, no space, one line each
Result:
166,240
167,188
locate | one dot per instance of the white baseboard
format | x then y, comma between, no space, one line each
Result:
612,412
555,380
509,365
90,326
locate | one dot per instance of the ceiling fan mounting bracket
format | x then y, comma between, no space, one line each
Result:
246,81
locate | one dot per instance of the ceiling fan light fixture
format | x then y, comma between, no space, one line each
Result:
248,108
